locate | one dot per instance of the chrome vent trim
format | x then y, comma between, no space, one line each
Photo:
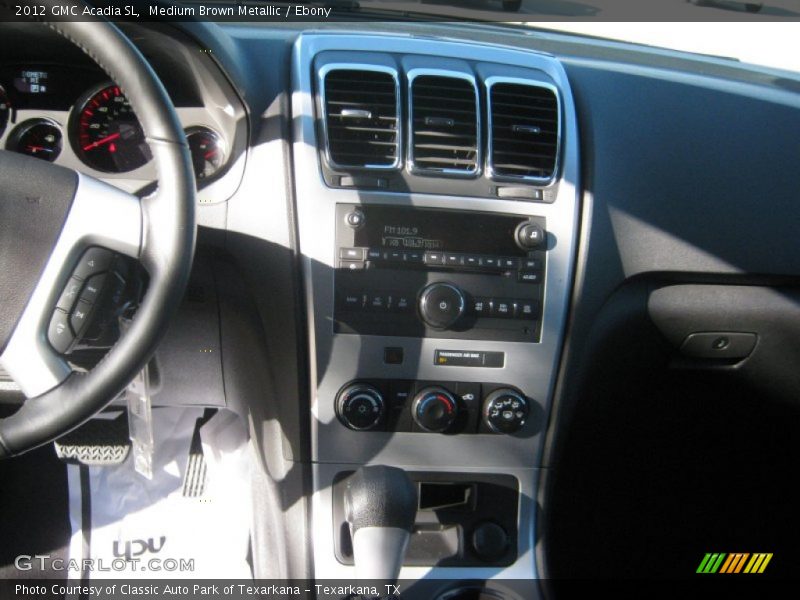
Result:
468,135
537,157
359,118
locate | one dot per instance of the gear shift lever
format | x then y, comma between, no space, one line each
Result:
380,506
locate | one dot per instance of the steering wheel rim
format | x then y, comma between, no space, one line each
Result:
159,230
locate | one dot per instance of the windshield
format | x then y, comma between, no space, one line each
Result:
774,45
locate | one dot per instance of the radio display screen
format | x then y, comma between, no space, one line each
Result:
392,227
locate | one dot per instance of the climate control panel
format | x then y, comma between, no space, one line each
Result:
434,407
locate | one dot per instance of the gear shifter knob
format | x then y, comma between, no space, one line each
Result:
381,507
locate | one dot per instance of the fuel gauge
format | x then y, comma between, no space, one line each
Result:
208,152
40,138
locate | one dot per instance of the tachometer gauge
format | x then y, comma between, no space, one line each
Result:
208,152
5,109
40,138
106,134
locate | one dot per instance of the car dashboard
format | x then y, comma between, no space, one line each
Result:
451,238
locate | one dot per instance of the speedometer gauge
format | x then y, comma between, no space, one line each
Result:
106,134
5,108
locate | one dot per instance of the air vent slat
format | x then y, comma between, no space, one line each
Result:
361,118
444,125
446,147
455,161
524,130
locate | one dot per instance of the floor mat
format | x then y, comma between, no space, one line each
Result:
138,528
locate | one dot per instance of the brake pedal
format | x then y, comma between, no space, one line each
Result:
98,442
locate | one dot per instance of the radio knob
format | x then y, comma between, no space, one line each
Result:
434,409
441,305
360,407
505,411
530,236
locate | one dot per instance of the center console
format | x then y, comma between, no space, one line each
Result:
437,270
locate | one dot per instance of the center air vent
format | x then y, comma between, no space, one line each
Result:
524,131
362,118
444,125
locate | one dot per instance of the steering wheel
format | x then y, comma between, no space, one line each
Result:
49,216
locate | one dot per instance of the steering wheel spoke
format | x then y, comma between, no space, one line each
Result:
101,220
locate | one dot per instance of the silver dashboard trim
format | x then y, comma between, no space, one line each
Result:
336,359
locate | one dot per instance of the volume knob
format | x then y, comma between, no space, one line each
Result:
360,407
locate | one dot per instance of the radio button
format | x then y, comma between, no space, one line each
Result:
509,263
352,265
502,308
527,309
453,260
400,304
531,264
433,258
377,302
481,307
374,254
489,261
394,256
470,260
352,301
351,253
413,257
530,277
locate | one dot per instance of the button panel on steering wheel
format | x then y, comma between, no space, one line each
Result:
97,280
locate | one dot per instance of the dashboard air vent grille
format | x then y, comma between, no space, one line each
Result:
362,119
444,125
524,136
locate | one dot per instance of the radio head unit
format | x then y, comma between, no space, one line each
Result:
414,272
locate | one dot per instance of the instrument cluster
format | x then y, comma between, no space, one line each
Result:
76,117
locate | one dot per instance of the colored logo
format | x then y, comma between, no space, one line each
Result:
737,562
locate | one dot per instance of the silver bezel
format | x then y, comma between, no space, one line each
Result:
490,171
410,162
322,73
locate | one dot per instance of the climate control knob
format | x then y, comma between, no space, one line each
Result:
505,411
360,407
434,409
441,305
